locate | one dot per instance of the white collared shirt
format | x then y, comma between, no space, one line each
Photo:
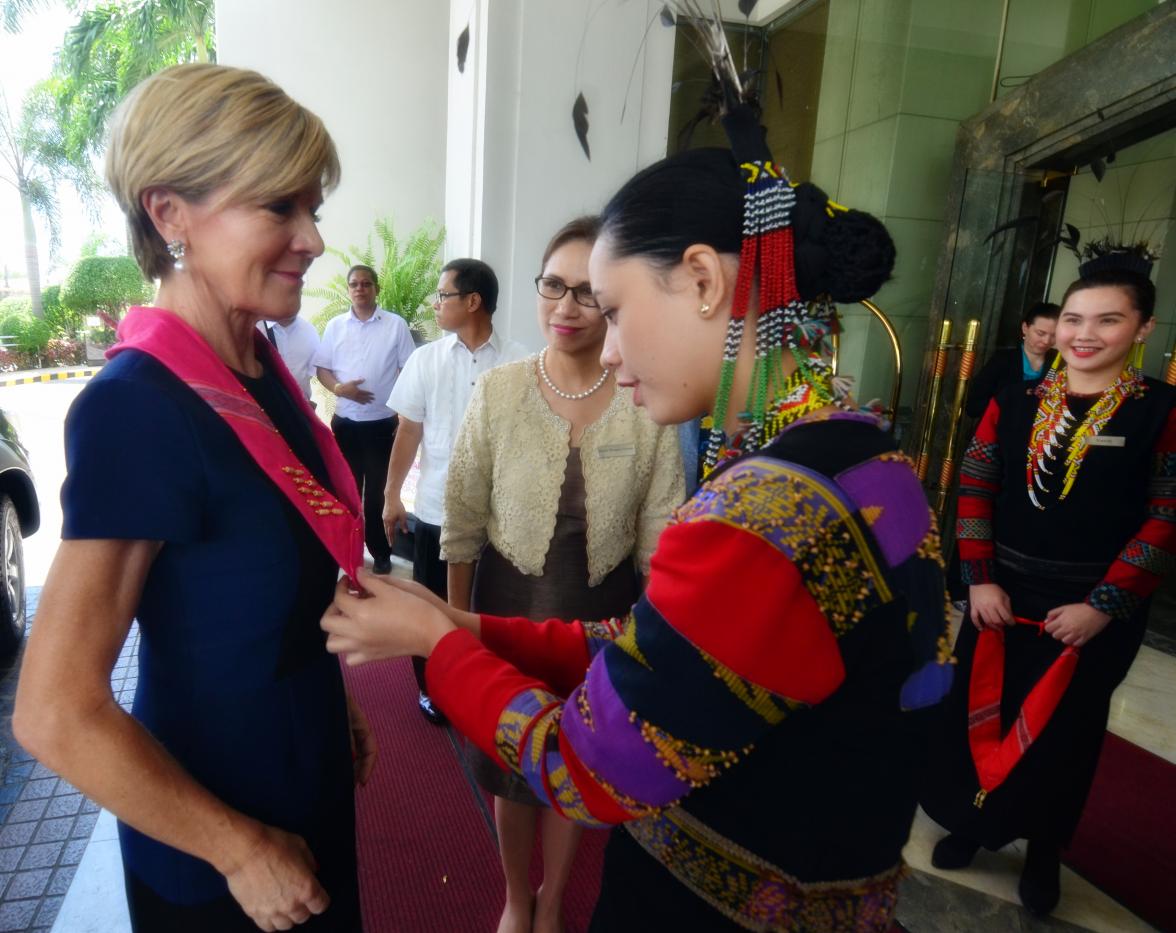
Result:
434,389
374,350
296,343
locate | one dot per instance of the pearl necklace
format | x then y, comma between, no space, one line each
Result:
570,396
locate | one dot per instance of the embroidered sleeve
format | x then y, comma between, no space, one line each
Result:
554,651
667,489
1151,552
467,486
695,676
980,478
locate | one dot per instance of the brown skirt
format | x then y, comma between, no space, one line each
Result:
561,592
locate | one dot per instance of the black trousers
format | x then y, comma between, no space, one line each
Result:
367,446
431,571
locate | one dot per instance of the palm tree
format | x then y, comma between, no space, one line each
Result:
115,46
34,162
11,12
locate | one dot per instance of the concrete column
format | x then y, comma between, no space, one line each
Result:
375,72
516,171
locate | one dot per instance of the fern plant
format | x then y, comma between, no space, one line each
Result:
408,272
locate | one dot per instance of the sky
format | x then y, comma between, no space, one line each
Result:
26,58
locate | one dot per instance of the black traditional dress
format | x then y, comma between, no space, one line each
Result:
1107,541
758,718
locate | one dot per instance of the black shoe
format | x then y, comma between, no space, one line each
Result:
382,566
429,711
954,851
1041,885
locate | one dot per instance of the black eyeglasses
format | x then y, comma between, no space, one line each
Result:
440,296
554,289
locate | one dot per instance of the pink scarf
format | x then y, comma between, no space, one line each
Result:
174,343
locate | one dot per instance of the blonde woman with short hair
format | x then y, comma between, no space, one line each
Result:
205,500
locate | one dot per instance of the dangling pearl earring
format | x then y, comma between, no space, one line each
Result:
175,249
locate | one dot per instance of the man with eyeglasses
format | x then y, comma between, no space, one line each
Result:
361,355
431,397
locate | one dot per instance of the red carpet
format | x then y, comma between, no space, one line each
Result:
1126,842
427,856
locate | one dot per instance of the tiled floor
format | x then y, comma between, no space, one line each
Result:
45,823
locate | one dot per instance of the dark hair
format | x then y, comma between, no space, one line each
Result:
1140,290
1041,309
697,197
474,276
368,269
583,229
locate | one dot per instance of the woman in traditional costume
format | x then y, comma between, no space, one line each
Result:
206,500
756,719
1067,499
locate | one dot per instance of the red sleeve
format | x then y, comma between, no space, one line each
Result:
691,683
472,684
980,479
1151,553
554,651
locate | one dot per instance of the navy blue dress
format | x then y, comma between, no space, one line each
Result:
234,677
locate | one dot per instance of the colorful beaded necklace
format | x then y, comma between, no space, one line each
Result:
808,389
1054,420
785,322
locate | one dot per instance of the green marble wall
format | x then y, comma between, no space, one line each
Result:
898,78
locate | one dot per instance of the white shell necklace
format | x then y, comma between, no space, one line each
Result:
570,396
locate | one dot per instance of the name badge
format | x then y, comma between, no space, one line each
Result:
607,451
1107,440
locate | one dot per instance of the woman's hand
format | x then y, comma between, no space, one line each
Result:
363,742
1075,624
275,882
391,621
990,606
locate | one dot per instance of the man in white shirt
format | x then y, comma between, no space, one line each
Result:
431,397
362,352
297,343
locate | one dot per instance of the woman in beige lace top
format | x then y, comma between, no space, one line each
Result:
558,488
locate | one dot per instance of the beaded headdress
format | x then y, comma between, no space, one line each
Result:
1108,255
795,317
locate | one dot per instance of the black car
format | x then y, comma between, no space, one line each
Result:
20,516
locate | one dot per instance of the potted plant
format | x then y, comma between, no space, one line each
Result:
408,270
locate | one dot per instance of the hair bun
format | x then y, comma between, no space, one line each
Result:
847,256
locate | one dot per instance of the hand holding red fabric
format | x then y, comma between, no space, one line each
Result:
390,620
989,606
1075,624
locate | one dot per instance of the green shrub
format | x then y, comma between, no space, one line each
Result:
17,304
12,321
408,271
104,283
61,320
32,333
